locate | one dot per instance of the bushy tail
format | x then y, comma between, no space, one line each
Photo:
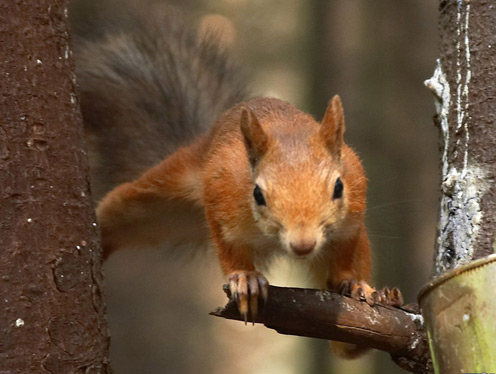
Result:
149,89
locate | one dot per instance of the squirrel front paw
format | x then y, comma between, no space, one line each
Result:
361,290
247,288
390,296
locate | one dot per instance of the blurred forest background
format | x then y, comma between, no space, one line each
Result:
376,55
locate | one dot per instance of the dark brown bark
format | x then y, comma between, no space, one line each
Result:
464,85
328,315
52,313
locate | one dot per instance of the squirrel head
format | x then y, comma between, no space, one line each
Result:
302,190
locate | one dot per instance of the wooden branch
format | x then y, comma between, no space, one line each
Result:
327,315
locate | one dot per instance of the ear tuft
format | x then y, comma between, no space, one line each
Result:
254,136
333,127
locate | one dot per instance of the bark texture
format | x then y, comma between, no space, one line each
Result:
464,86
52,317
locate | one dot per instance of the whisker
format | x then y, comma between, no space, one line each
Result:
394,203
320,257
385,236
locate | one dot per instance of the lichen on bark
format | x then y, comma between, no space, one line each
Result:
461,88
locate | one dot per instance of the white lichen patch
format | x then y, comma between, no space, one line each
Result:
321,296
439,86
460,215
414,343
371,318
19,322
462,186
418,318
462,85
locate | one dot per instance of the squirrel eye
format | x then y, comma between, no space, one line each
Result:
258,196
338,189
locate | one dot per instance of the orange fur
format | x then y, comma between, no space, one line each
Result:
296,163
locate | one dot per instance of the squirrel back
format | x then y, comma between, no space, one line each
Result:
149,89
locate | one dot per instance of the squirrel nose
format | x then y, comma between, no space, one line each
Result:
302,248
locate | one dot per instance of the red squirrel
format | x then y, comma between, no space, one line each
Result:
264,180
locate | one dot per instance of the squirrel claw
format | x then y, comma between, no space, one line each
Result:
247,288
391,296
359,290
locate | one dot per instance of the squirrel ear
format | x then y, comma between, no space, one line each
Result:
256,140
332,127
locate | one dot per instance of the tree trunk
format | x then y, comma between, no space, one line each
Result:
459,315
464,85
52,312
